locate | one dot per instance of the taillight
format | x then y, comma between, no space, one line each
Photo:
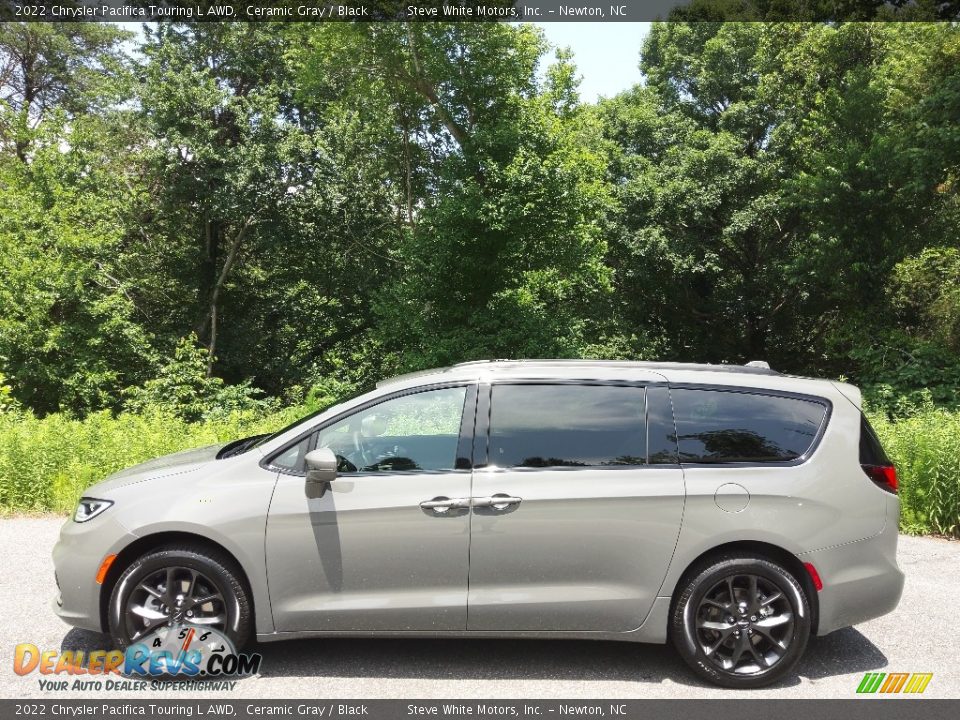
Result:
885,476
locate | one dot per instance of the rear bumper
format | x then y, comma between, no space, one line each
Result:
861,580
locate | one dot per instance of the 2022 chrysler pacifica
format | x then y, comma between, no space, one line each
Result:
729,509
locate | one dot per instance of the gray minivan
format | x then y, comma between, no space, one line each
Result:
729,509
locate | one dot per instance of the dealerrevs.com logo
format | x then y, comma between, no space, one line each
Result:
171,654
888,683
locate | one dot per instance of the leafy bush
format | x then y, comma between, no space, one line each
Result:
916,363
183,388
925,292
925,447
7,401
903,376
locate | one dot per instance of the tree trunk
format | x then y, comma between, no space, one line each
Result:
408,170
211,318
208,273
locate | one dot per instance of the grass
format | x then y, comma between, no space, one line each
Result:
45,464
926,450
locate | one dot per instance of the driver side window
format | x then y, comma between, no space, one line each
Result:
409,433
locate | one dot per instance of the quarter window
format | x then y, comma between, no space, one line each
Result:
567,426
291,459
716,426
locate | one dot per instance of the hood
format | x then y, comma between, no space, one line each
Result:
175,464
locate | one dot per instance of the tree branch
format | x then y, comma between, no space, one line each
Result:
420,84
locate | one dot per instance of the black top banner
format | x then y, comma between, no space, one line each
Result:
453,709
477,11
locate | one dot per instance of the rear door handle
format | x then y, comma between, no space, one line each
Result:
441,504
500,501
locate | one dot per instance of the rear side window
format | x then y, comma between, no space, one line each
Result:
717,426
567,426
871,451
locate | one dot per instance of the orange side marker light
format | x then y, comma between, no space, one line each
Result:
105,568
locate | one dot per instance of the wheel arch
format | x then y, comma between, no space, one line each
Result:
147,543
786,559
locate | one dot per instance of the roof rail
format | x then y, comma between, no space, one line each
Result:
754,367
720,367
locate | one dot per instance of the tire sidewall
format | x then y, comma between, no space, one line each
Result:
684,620
228,586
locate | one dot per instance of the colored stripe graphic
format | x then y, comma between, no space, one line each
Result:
918,682
894,683
870,682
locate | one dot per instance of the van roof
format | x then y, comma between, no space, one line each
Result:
538,366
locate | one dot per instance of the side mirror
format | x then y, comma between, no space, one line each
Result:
321,471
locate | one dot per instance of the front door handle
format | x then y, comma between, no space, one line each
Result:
500,501
442,504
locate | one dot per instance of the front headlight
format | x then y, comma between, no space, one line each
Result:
89,508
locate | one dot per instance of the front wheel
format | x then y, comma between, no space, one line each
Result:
741,622
180,585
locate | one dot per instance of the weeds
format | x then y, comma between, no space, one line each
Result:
45,464
925,447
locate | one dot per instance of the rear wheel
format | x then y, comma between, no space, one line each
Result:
741,621
176,585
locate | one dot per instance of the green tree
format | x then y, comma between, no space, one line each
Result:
268,213
503,253
70,329
70,68
707,236
222,155
771,176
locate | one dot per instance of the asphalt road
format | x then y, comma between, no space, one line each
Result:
920,636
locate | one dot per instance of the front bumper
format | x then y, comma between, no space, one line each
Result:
861,580
77,557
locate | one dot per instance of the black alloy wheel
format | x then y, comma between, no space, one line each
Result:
741,621
173,595
744,624
180,585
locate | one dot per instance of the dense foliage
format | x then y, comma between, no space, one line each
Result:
204,222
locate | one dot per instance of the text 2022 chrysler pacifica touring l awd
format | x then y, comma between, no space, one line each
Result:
729,509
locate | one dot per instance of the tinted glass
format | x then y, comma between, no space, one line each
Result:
291,459
661,432
567,426
715,426
409,433
871,451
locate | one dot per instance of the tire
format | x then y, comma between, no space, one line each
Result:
213,573
769,631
